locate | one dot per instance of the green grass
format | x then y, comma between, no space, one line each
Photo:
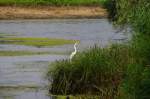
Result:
38,42
135,13
52,2
117,72
96,71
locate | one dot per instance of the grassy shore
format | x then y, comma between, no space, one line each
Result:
52,2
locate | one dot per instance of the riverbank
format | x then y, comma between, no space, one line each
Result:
119,71
45,12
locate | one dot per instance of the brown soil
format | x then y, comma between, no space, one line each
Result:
51,12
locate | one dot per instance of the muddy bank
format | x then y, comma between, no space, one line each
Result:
7,12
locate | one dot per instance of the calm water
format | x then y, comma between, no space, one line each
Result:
23,77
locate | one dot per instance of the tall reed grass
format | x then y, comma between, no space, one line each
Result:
97,71
136,13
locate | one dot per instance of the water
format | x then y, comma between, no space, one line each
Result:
23,77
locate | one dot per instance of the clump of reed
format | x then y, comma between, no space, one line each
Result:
118,72
97,71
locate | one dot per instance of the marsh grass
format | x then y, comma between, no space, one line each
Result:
52,2
136,81
96,71
117,72
38,42
136,13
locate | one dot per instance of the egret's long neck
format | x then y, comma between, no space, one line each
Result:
75,49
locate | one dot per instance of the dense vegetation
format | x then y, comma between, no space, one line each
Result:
96,71
117,72
52,2
136,83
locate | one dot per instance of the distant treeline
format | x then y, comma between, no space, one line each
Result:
52,2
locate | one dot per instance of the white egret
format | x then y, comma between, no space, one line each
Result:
75,51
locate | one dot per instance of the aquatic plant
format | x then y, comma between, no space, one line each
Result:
96,71
38,42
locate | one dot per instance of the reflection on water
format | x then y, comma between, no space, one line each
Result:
22,77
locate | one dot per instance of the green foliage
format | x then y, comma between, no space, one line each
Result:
141,46
144,88
136,13
97,71
130,85
136,83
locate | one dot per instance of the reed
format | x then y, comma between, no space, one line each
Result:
96,71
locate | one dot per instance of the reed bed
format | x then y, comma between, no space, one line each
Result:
97,71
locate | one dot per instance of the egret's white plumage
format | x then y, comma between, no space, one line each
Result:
75,51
